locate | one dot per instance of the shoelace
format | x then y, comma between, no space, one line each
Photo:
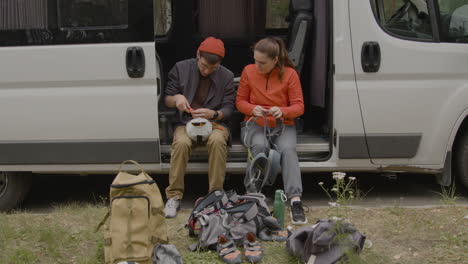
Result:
305,208
297,209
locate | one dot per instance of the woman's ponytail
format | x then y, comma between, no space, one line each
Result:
283,57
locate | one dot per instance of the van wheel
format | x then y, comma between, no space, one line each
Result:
13,189
461,159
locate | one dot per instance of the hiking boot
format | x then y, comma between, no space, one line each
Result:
297,213
171,208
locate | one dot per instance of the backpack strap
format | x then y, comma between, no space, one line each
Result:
249,196
134,162
233,197
259,199
102,221
249,211
209,204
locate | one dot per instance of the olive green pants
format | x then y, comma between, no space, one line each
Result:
182,146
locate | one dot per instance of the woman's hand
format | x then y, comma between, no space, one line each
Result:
258,111
276,112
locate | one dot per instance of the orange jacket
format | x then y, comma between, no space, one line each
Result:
267,90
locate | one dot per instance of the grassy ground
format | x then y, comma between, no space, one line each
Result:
398,235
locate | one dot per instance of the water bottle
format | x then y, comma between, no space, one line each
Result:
279,207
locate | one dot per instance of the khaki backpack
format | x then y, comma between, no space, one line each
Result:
136,222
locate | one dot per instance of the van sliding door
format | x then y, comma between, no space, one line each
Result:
78,82
410,77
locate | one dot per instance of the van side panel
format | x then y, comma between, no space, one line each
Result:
347,115
420,89
77,104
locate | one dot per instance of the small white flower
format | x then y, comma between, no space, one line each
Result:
339,177
334,189
352,178
320,183
333,204
335,218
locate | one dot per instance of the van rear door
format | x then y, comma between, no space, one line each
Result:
408,76
78,82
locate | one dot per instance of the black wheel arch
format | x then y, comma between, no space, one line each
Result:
14,187
460,154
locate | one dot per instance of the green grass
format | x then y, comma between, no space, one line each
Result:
398,235
448,195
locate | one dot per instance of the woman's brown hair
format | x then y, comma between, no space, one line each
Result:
273,47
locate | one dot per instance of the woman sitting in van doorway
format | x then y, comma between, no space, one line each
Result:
271,86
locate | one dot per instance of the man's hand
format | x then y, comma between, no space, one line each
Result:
276,112
258,111
181,103
203,113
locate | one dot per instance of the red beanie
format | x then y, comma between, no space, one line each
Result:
212,45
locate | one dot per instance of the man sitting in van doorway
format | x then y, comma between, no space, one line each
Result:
199,87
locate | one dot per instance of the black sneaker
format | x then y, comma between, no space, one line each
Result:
297,213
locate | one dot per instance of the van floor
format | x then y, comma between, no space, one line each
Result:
310,146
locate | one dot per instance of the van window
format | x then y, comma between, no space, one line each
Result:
404,18
163,17
56,22
92,14
277,13
454,20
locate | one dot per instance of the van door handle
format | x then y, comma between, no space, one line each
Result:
135,61
370,56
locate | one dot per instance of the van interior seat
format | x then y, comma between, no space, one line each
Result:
300,18
458,20
299,30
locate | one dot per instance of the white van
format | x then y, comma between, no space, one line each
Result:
385,82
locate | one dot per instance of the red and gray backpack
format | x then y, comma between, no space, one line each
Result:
229,214
210,204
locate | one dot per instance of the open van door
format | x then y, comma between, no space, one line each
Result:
409,78
79,83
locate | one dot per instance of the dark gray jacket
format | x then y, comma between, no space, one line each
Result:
184,77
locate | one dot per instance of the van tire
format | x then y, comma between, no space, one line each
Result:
461,159
14,188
